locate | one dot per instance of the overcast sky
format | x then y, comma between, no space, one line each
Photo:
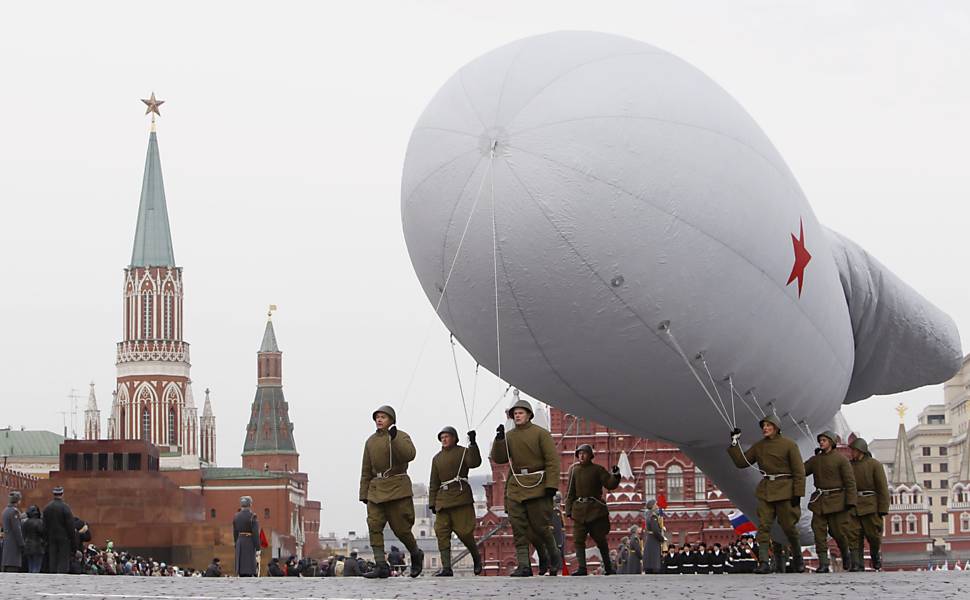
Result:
282,141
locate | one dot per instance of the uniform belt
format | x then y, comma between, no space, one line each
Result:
458,480
245,533
386,476
866,493
774,476
818,493
588,499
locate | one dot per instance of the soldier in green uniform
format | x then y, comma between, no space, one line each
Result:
872,504
450,497
532,483
585,504
781,488
834,496
386,490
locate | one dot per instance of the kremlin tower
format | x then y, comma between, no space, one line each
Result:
269,435
153,398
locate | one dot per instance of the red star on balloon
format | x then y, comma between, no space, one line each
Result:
802,257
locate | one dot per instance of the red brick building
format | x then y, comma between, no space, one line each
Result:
907,543
696,510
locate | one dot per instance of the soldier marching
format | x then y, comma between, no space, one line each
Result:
586,507
834,496
450,497
872,505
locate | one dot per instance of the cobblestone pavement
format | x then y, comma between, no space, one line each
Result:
861,586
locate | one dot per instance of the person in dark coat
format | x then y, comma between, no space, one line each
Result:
396,559
274,569
654,540
701,564
214,569
671,561
34,540
351,566
60,533
13,536
686,560
717,560
634,558
245,533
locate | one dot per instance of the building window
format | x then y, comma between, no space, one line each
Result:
943,501
942,450
700,485
945,517
911,524
927,468
926,450
897,524
928,484
944,467
122,425
265,513
965,522
168,317
146,317
212,513
146,424
650,482
675,483
172,439
931,517
929,499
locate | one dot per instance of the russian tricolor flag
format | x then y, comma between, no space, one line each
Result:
741,524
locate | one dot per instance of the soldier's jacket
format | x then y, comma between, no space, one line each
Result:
774,455
870,477
831,471
384,469
442,491
533,451
587,482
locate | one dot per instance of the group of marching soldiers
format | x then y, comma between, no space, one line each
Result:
850,499
532,485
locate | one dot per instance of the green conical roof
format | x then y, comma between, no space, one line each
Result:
269,339
153,237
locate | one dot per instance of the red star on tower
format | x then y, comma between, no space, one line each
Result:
802,257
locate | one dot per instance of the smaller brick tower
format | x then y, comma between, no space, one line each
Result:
269,436
92,417
207,433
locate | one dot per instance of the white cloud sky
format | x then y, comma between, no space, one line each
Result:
282,142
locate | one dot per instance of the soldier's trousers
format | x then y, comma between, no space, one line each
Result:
787,517
399,514
837,523
862,528
598,529
535,513
461,521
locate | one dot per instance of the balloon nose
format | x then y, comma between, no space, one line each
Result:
492,141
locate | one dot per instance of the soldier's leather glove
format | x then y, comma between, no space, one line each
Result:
615,470
432,509
471,437
818,451
796,501
500,432
392,431
882,515
364,500
551,492
735,434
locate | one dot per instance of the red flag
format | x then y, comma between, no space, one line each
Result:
662,501
263,542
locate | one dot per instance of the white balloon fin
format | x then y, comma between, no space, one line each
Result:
626,471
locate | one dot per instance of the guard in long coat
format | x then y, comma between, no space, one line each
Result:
872,504
834,496
450,497
386,490
586,507
245,533
13,536
654,540
533,482
781,488
634,559
60,532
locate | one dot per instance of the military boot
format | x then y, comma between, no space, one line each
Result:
417,562
764,568
876,560
555,564
476,561
522,571
581,559
858,565
543,562
445,570
381,571
797,565
823,564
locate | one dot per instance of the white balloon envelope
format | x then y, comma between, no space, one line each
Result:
632,246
